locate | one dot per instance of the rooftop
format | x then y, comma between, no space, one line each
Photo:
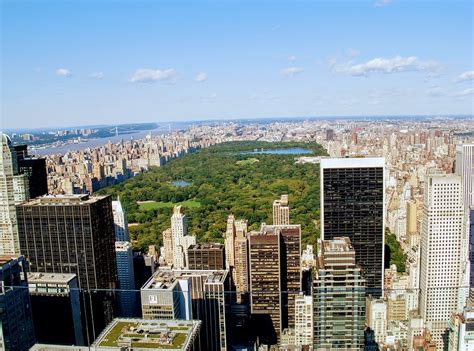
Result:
206,246
52,200
47,347
37,277
354,162
166,278
144,334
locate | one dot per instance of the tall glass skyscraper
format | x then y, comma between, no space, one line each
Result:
352,205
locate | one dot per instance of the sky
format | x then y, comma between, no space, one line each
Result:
69,63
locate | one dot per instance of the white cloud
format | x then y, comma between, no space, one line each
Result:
145,75
291,71
63,72
292,58
435,91
201,77
465,77
387,65
98,75
382,3
464,93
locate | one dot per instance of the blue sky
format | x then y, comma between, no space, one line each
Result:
68,63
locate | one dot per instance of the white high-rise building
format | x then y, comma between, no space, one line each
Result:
13,190
441,251
181,240
281,211
465,168
120,221
376,315
303,319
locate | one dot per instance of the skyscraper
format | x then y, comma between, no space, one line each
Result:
275,278
73,234
13,190
180,238
441,250
352,205
465,169
56,305
127,296
303,320
120,221
16,321
281,211
35,170
206,256
339,297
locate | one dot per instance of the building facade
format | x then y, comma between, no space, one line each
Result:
56,305
74,234
120,222
281,211
353,205
127,296
206,257
180,238
16,319
441,251
339,297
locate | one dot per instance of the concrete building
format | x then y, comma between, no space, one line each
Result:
303,320
465,169
127,296
168,246
56,305
339,297
206,257
181,239
120,222
73,234
376,316
281,211
461,331
275,278
353,205
13,190
34,169
190,294
16,320
441,262
142,335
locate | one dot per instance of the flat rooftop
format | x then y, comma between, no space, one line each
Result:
206,246
353,162
50,278
148,334
61,200
47,347
165,279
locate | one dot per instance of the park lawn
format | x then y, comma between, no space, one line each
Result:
145,206
248,161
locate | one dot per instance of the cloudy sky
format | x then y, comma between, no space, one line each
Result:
68,63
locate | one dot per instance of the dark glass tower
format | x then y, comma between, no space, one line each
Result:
352,205
35,170
74,234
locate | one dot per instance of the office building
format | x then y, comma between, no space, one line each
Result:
329,135
13,190
339,297
353,206
206,256
120,222
16,321
181,239
73,234
35,170
461,331
142,335
376,316
165,296
56,305
229,241
144,265
127,296
281,211
303,320
190,294
465,169
275,278
441,249
168,246
471,253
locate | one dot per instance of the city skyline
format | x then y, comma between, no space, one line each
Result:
89,63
